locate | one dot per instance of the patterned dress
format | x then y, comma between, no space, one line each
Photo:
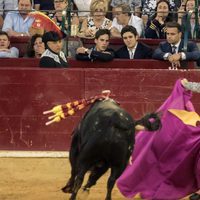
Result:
104,25
131,3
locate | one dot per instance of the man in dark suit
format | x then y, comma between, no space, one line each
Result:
132,48
100,51
173,49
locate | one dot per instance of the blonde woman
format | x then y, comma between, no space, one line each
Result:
96,20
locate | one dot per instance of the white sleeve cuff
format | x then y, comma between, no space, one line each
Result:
183,56
166,55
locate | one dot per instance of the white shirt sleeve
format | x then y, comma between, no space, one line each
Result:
8,23
116,25
183,56
166,55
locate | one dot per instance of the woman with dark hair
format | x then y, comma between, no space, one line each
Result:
36,47
155,27
53,57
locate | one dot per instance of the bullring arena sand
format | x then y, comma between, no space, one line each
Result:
42,179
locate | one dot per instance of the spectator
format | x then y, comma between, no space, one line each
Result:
6,5
53,57
182,19
123,18
17,23
5,50
181,11
132,48
100,51
135,5
149,7
36,47
96,21
57,16
155,27
43,5
172,49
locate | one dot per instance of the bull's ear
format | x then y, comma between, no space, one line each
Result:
139,128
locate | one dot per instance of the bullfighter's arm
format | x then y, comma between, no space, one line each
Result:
193,86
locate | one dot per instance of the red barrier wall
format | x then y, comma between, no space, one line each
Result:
26,92
116,63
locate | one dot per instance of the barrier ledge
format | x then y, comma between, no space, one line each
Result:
127,63
119,41
116,63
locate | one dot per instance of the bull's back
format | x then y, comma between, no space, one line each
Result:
107,112
107,123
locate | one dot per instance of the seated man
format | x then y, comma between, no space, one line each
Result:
132,48
17,23
172,49
100,51
123,18
5,50
57,15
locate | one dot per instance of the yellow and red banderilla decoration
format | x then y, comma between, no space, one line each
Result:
62,111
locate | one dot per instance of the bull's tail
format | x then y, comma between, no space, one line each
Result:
151,122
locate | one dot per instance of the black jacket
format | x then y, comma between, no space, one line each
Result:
96,55
142,52
50,59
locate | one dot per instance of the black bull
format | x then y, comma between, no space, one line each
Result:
104,139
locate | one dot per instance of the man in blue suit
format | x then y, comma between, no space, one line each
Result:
132,48
172,49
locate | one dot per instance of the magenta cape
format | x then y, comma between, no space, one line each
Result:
166,163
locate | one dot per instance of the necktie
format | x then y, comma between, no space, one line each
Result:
173,49
132,55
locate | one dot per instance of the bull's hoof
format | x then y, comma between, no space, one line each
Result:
67,189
